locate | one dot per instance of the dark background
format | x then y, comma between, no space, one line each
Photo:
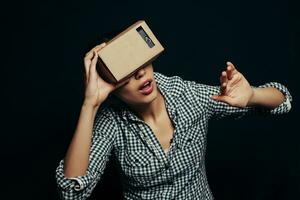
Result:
43,44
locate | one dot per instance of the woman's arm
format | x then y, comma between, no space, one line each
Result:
235,97
77,157
236,91
91,145
269,97
81,169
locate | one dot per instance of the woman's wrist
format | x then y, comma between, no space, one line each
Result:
86,106
89,104
267,97
254,97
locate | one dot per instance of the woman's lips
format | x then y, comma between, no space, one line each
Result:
145,82
147,89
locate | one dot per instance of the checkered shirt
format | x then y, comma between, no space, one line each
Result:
146,171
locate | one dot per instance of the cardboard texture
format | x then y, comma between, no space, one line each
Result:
130,50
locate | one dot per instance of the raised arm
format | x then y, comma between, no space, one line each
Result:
91,145
236,91
235,97
241,98
78,173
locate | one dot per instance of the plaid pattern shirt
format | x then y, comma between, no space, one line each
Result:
147,171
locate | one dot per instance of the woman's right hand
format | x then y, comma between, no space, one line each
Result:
96,89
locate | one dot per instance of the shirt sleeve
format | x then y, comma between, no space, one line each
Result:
81,187
218,109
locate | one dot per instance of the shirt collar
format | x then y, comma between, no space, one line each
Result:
164,85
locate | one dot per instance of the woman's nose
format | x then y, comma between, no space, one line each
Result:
140,73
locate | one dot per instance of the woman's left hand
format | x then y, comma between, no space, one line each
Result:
235,89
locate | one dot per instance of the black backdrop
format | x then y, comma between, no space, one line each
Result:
43,43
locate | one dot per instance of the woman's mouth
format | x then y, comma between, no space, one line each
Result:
147,88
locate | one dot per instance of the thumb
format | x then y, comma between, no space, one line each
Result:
93,66
222,98
94,61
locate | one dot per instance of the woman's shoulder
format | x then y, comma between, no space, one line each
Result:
171,83
103,112
109,111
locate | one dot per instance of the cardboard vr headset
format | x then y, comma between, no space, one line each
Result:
127,52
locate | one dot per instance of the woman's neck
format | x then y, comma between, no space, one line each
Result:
151,111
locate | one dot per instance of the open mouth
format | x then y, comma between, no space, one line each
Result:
147,88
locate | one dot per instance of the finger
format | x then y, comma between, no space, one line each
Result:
87,61
86,73
223,82
94,60
230,64
89,54
223,88
229,72
93,72
233,68
100,46
223,77
223,98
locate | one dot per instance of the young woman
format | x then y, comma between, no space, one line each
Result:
157,131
